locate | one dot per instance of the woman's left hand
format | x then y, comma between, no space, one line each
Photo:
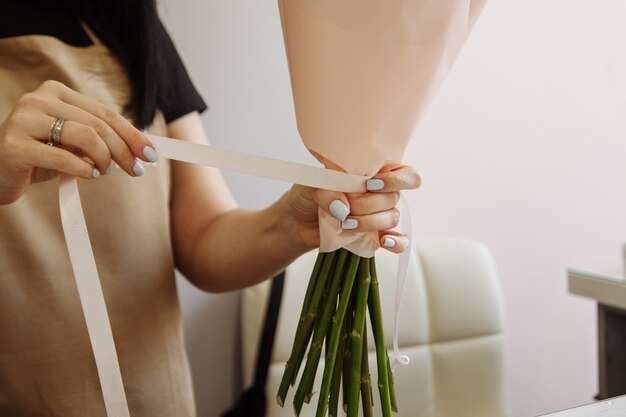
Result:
373,211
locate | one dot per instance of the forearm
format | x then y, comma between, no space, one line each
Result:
218,246
240,248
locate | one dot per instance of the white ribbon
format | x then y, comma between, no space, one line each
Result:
403,266
84,266
259,166
91,298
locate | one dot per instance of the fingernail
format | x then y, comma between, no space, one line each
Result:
375,184
339,210
150,154
138,168
95,173
349,224
389,243
109,168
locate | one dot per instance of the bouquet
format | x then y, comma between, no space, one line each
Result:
362,72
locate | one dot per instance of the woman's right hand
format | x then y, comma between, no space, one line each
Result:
92,137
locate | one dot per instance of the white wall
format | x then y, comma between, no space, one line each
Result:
523,149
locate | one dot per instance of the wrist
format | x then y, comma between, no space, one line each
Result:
298,219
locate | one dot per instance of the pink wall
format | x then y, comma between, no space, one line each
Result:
525,150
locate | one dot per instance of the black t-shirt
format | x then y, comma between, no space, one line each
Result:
36,17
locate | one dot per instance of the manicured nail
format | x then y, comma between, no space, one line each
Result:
138,168
349,224
339,210
150,154
95,173
375,184
109,168
389,243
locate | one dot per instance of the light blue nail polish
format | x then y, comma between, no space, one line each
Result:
109,168
389,243
375,184
138,168
95,173
349,224
339,210
150,154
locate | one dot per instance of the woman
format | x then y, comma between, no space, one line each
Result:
72,72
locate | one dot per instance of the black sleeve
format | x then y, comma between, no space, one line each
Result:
177,96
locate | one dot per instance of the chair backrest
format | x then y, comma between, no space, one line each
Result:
451,327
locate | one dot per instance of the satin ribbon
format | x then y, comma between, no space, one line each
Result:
84,266
91,298
403,266
259,166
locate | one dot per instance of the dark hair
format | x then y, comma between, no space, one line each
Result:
129,29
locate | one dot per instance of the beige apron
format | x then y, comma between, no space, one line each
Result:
46,363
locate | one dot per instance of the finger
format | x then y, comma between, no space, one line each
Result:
393,241
136,141
403,178
372,222
76,136
369,203
118,149
49,157
336,204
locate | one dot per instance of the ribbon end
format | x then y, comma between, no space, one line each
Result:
401,360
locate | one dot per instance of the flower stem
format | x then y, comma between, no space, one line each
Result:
382,360
305,328
335,335
367,396
319,261
392,389
342,289
306,303
360,310
305,387
335,385
348,349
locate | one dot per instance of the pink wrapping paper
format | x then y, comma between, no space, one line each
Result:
363,73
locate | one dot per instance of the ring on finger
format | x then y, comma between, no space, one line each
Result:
54,136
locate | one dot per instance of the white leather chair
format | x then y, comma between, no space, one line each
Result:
451,327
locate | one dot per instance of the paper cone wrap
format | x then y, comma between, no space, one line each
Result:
363,73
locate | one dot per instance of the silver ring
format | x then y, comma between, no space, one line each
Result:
54,136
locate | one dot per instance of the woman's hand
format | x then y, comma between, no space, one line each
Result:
373,211
93,135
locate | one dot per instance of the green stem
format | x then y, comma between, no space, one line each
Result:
392,389
347,352
367,395
306,304
319,261
335,385
382,360
360,311
335,335
317,327
328,309
305,328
